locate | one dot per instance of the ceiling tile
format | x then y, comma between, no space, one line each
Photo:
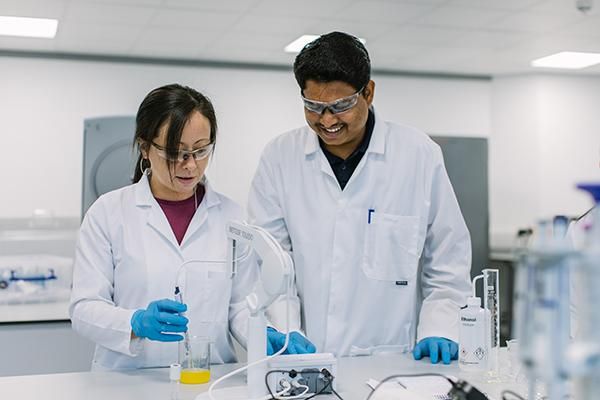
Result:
126,2
108,13
586,26
238,6
163,50
104,47
78,33
179,37
34,8
495,4
367,30
559,7
383,11
234,41
305,8
534,22
482,36
204,20
461,17
419,34
490,40
272,25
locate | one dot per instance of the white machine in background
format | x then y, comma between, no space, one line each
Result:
542,309
276,279
35,278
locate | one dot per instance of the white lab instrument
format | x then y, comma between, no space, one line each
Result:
584,353
186,335
474,335
542,309
310,363
275,280
357,250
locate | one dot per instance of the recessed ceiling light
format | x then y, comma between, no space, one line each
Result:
303,40
28,27
568,60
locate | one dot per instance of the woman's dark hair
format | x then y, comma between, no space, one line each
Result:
335,56
172,105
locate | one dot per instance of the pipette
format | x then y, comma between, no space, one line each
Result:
186,336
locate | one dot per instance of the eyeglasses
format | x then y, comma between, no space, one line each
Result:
335,107
184,155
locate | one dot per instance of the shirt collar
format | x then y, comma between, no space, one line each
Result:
362,147
144,196
377,141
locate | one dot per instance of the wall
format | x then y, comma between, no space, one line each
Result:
545,138
44,103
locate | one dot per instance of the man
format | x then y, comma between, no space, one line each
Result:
365,207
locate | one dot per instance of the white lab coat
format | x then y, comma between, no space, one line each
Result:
361,284
127,256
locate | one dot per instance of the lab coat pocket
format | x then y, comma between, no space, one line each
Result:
212,291
390,252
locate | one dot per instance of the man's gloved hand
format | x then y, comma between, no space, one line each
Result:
433,347
297,344
160,316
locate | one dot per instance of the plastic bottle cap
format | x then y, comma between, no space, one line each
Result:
474,301
175,372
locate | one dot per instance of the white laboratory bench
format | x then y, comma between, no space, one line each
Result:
154,383
34,312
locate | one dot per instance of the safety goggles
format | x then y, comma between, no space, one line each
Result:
335,107
184,155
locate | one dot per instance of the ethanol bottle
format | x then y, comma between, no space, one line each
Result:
474,337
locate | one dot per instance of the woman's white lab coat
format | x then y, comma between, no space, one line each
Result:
128,256
368,256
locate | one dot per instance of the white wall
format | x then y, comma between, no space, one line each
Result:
43,104
544,131
545,138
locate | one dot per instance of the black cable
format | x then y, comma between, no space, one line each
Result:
516,395
336,393
389,378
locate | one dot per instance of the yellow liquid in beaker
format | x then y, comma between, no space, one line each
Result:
194,376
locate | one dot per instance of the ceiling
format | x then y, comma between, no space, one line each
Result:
491,37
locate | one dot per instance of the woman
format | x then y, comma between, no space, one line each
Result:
134,241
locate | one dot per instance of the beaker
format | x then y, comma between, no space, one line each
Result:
194,357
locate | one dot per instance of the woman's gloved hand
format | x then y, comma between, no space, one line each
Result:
161,316
297,344
434,347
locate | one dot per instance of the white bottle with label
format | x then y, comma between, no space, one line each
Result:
474,337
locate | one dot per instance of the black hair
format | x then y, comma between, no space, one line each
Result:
335,56
172,105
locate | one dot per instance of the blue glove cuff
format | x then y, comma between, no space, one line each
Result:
135,322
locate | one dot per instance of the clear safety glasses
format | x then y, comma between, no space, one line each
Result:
184,155
335,107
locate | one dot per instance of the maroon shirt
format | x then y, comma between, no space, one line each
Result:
180,213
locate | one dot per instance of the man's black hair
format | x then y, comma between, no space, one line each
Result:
335,56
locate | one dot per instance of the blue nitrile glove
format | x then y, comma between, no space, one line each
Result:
297,344
432,347
160,316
